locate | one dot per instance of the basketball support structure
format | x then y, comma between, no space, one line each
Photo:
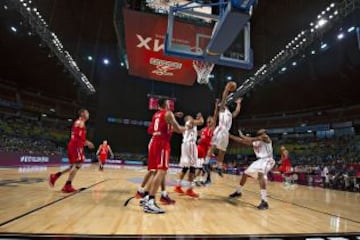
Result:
233,18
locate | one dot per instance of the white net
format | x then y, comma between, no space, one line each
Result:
203,70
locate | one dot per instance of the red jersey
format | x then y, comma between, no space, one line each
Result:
285,159
159,128
78,135
285,163
206,136
104,149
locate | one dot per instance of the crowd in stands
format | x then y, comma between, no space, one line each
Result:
332,163
28,135
335,161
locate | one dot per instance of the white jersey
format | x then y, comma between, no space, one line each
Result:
263,149
225,119
190,134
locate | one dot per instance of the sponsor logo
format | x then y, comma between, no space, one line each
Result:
149,43
164,67
29,169
34,159
114,161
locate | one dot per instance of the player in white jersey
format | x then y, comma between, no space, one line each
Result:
259,169
220,140
189,153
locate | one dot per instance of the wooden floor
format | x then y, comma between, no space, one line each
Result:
28,205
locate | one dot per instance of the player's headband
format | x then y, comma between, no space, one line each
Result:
261,132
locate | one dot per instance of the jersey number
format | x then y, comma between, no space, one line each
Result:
156,124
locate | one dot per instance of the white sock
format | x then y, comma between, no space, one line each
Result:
146,198
238,189
263,195
191,185
163,193
140,189
178,182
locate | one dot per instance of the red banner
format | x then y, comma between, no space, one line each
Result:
144,38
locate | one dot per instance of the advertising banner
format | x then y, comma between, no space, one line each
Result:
144,39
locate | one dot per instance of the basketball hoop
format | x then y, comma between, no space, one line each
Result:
203,70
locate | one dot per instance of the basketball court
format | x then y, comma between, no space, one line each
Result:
97,209
192,41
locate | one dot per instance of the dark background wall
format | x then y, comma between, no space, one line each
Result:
123,96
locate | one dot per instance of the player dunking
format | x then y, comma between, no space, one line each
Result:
163,124
259,169
220,139
102,153
204,144
75,151
189,154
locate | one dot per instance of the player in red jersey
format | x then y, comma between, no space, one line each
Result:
162,125
204,143
285,164
142,191
75,151
102,153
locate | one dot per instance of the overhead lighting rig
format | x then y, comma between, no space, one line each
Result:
32,15
317,28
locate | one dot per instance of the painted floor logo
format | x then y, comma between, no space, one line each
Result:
16,182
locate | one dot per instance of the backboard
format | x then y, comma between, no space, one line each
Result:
224,39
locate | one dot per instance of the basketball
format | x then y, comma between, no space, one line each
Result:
231,86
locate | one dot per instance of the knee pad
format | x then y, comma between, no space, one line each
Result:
192,170
184,170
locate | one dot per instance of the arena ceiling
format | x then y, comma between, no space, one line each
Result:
86,29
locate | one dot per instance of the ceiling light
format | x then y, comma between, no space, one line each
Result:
322,22
13,29
340,36
351,29
106,61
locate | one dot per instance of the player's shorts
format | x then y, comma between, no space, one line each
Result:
159,155
262,165
202,151
103,158
220,139
285,168
75,154
189,154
